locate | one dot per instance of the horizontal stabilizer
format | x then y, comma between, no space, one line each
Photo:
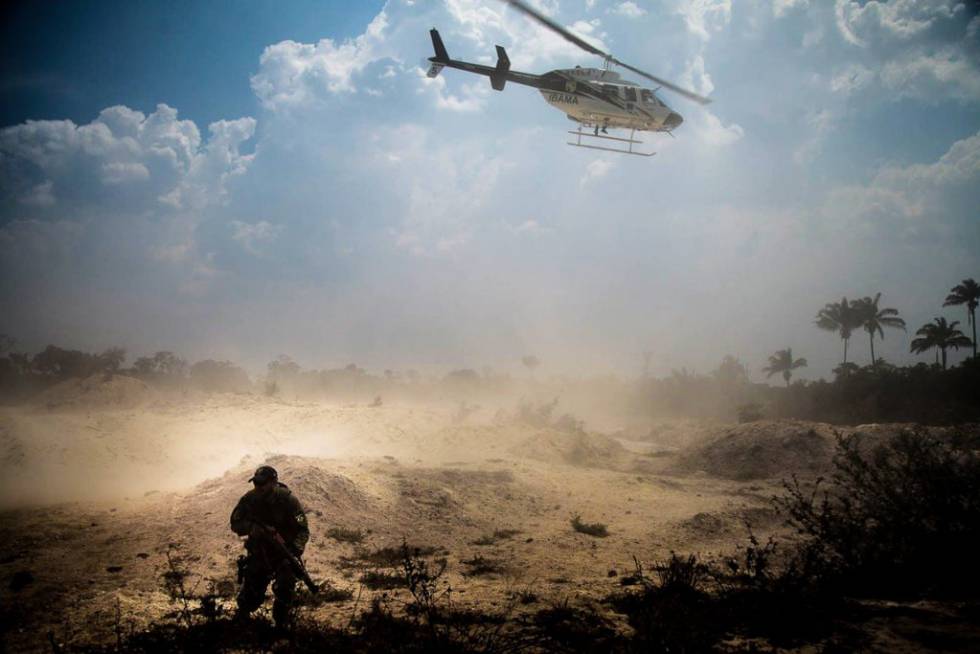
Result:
498,78
434,70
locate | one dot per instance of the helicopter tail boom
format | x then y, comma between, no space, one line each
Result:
499,75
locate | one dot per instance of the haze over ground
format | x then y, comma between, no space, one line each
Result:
341,207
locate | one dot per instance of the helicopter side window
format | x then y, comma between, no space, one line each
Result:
610,90
647,96
630,94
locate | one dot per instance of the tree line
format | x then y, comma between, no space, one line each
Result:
865,314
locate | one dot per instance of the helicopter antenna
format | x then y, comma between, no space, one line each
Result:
608,59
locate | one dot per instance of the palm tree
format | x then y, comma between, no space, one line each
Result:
839,317
937,334
967,293
782,361
874,319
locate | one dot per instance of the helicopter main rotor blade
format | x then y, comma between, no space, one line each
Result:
535,15
690,95
555,27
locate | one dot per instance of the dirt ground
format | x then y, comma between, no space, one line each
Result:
95,498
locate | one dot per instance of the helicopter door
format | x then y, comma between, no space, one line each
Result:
630,97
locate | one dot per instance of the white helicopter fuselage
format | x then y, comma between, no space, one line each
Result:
639,109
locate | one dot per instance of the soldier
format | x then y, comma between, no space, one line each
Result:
269,511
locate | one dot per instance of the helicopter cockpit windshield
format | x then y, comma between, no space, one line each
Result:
649,98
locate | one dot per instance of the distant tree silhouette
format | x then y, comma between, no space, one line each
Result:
940,335
219,376
968,293
111,360
163,365
874,319
782,362
839,317
283,369
731,372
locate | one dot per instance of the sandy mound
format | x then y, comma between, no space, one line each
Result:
575,448
317,482
760,450
96,391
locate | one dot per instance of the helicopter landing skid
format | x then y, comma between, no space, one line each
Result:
628,150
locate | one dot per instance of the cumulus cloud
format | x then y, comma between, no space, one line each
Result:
123,160
911,201
294,74
923,47
714,132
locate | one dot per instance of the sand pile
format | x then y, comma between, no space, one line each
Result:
760,450
96,391
575,448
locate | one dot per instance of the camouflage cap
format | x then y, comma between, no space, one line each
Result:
264,474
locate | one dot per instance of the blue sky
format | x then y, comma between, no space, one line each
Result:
73,59
247,179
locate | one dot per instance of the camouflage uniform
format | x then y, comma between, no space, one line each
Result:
278,508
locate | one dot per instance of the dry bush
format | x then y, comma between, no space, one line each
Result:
343,535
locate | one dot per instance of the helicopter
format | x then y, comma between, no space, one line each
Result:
597,98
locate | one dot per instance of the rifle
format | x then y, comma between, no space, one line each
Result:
294,562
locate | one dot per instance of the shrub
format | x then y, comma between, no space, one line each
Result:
596,529
345,535
902,516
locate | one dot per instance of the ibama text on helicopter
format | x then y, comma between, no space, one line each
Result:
596,98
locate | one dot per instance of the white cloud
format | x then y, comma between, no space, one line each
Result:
909,201
923,48
864,22
255,237
714,133
946,72
703,17
851,79
472,98
820,123
781,7
596,170
696,78
119,172
123,159
295,74
628,9
443,186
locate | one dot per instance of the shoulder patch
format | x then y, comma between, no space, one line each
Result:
301,518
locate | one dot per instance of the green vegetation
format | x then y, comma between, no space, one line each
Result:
596,529
782,362
966,293
940,335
